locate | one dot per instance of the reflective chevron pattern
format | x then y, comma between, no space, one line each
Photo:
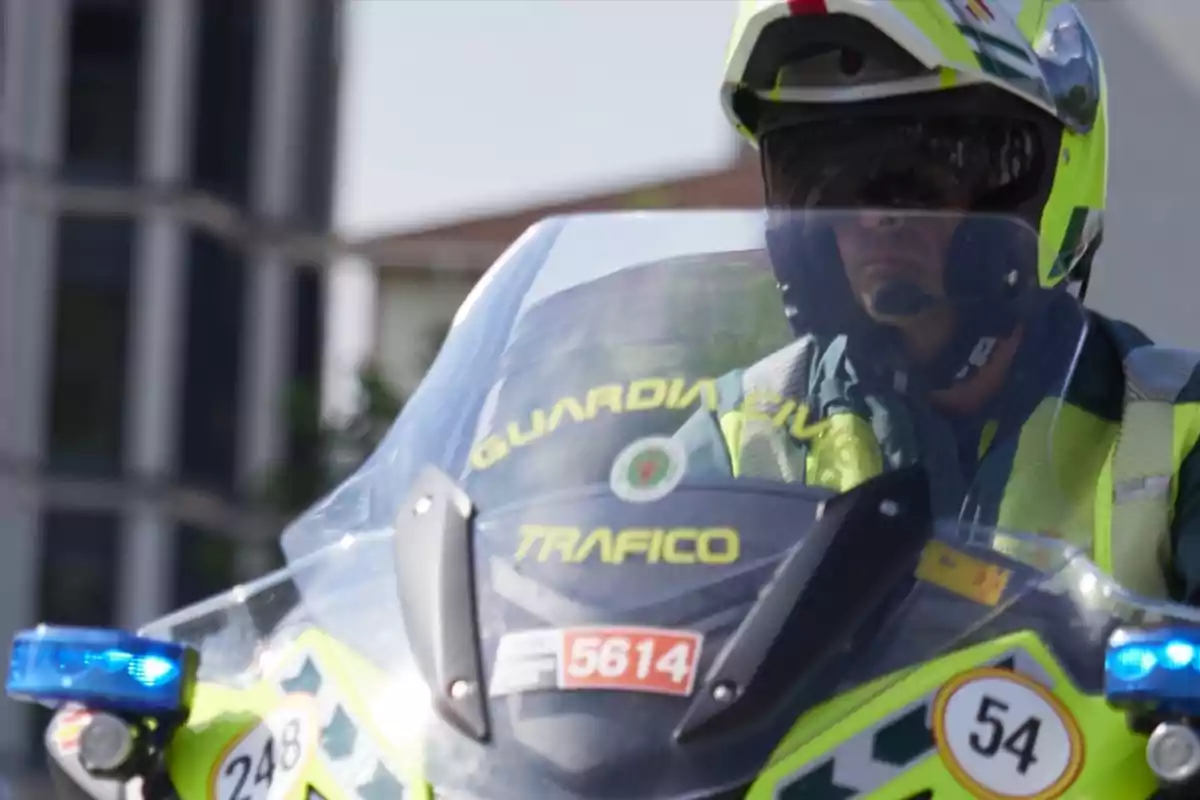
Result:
873,757
352,758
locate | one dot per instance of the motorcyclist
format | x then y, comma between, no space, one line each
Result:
991,107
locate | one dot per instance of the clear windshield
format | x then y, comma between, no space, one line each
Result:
841,335
667,429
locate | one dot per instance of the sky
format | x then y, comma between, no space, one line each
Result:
453,108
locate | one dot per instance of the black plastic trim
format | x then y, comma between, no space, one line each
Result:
830,586
436,586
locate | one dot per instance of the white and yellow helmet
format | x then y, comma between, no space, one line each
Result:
1021,78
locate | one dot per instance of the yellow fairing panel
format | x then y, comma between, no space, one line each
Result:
889,739
897,740
308,726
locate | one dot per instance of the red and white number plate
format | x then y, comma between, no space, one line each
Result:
651,660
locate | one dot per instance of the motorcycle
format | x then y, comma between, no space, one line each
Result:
663,522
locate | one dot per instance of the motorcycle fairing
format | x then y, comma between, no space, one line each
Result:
353,756
868,742
880,744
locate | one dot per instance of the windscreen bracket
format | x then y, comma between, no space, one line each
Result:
436,586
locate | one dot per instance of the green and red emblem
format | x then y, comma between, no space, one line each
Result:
648,469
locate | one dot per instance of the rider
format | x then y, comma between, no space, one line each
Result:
964,107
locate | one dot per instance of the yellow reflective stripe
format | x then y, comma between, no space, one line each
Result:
1155,437
933,19
1080,446
1143,468
841,455
1060,450
1102,513
760,449
986,437
752,417
731,431
1079,182
1135,510
1030,16
1056,219
844,454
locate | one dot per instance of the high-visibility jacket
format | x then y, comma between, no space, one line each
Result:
1112,466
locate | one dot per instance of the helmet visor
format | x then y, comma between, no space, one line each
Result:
936,164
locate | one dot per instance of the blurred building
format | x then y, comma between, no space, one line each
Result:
165,189
424,275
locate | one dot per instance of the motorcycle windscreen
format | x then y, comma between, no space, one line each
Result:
665,491
819,347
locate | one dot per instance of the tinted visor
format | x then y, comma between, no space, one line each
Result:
947,163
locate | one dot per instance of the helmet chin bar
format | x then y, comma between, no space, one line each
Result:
972,344
971,347
964,358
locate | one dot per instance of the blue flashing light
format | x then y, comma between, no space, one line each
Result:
1178,654
1154,667
1132,663
102,669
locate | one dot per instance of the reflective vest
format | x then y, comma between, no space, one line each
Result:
1107,487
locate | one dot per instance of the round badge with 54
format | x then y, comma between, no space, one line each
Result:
1005,736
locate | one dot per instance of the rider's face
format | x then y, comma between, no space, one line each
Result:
878,248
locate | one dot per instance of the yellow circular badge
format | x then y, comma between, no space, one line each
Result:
1004,736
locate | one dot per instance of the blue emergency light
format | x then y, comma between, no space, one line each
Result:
1155,668
102,669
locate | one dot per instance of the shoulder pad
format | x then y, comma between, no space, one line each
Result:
1159,373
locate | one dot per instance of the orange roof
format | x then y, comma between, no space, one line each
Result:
481,240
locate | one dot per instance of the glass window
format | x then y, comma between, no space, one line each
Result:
91,344
308,318
319,132
305,385
103,80
216,290
225,80
79,563
205,564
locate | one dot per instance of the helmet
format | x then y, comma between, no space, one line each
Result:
1005,98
